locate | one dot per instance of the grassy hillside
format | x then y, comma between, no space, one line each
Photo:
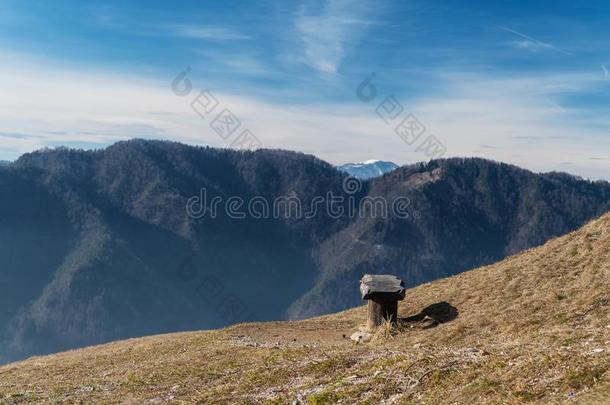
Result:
534,327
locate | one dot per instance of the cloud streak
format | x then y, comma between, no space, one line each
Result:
532,43
206,32
327,34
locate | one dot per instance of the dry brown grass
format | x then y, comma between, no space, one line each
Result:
386,332
532,328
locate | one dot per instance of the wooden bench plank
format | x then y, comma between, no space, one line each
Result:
382,287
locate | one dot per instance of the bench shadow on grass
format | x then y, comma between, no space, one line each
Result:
432,316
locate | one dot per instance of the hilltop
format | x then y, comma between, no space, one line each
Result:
533,327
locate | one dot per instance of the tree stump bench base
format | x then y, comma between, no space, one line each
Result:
383,293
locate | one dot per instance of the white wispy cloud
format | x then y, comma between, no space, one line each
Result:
326,33
120,20
519,120
237,62
530,43
206,32
523,119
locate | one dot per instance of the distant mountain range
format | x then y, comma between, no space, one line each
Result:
368,169
99,245
4,163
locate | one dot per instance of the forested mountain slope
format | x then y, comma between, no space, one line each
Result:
98,246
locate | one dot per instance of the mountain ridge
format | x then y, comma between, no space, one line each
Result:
111,232
532,201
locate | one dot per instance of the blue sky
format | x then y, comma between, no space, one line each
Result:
522,82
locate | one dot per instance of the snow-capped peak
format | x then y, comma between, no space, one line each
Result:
368,168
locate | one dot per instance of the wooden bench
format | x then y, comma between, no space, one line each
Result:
383,291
